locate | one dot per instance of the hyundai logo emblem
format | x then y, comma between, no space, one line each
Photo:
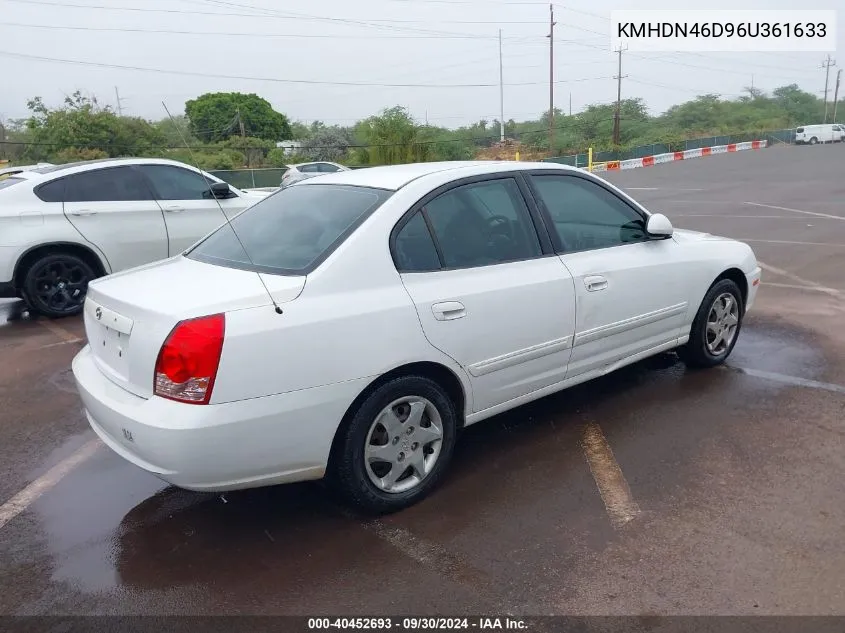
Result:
98,313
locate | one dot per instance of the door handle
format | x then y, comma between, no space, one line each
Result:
448,310
173,208
83,212
594,283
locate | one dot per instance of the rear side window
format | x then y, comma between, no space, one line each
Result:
117,184
292,230
53,191
414,249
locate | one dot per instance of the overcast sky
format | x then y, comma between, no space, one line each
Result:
366,41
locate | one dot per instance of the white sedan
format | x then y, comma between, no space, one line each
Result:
350,325
63,225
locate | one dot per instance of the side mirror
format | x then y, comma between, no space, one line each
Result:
658,225
220,190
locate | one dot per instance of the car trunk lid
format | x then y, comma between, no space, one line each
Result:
129,315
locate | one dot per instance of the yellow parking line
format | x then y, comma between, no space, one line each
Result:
612,485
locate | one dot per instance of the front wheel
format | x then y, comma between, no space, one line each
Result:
814,140
716,326
55,285
397,445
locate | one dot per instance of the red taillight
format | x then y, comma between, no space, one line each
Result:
188,360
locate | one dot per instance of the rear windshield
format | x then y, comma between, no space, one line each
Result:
8,181
291,231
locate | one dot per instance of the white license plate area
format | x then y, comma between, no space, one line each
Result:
112,349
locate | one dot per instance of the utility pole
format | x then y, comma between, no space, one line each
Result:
241,123
617,114
551,37
501,94
118,100
836,94
826,64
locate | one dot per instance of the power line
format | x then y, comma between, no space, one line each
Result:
276,79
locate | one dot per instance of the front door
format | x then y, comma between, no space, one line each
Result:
113,208
630,290
190,211
486,292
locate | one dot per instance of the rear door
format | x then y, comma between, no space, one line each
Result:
190,211
630,289
113,208
488,290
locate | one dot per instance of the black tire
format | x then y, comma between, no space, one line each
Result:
814,140
348,472
55,285
696,352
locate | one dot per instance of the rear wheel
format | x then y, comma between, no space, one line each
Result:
397,445
55,285
716,326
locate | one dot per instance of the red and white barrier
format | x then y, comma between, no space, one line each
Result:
659,159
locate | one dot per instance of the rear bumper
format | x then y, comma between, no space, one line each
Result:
249,443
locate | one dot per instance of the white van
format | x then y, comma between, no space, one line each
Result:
827,133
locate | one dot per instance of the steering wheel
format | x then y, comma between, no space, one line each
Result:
496,224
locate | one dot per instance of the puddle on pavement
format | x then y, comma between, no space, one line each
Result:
110,524
11,310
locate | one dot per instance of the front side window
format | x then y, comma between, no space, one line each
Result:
175,183
482,224
587,216
292,230
115,184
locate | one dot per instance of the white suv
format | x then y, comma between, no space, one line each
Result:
62,226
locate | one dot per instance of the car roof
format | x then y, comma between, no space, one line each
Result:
52,171
395,177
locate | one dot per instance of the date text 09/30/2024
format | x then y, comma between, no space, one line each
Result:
417,623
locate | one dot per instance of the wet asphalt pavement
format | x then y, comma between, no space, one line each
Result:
737,473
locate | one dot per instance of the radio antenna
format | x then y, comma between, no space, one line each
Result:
220,206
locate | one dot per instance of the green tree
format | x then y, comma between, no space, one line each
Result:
216,116
391,137
328,143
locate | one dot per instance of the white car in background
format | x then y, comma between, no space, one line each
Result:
826,133
303,171
351,325
63,225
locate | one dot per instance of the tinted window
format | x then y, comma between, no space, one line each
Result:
116,184
291,230
308,169
799,130
9,181
175,183
587,216
53,191
414,249
326,168
484,223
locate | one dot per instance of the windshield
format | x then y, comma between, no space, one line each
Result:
291,231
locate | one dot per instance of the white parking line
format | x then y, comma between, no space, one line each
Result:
26,497
58,330
798,287
748,239
612,485
813,213
732,216
804,282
